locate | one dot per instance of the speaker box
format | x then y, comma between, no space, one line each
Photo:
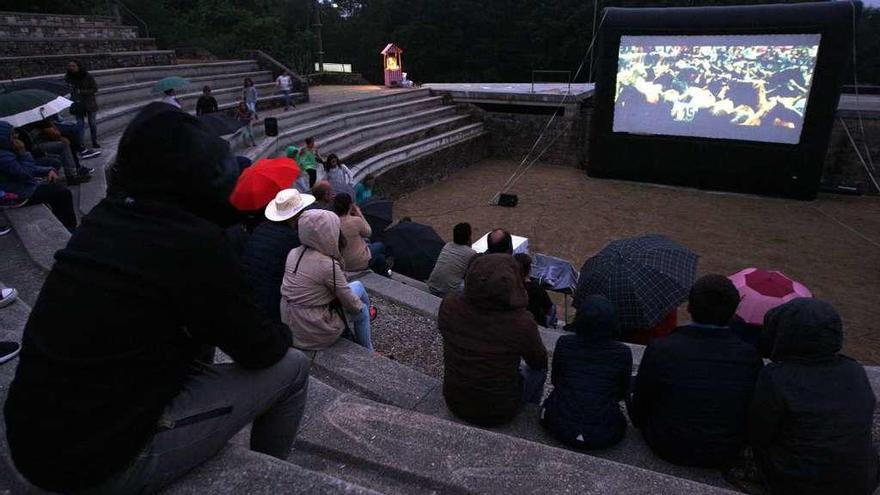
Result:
271,125
508,200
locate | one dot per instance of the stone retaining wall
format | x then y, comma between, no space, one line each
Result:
18,67
68,31
15,47
60,20
432,168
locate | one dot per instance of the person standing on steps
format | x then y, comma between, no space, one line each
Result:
126,403
249,95
85,104
284,83
307,158
207,103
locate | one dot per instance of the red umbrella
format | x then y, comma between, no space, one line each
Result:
260,182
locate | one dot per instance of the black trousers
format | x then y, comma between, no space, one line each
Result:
313,177
60,201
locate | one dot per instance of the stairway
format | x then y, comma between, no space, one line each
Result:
38,44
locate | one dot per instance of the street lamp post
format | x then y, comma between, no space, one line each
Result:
320,36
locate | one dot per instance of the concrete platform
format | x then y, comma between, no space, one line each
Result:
539,93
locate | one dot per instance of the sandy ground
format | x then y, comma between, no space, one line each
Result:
832,244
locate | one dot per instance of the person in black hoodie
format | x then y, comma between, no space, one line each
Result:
108,396
693,388
591,374
811,415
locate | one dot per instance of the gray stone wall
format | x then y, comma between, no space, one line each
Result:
842,164
18,67
432,168
60,20
69,31
17,47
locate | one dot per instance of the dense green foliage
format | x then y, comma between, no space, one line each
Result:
444,40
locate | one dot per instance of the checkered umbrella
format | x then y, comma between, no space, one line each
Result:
644,277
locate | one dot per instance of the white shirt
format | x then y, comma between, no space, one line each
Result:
171,101
283,82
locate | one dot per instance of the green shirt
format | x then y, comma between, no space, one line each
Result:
304,157
361,193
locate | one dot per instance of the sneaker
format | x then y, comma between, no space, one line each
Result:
7,296
85,172
8,350
374,313
4,229
11,200
87,154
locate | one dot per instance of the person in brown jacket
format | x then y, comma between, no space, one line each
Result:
313,279
487,332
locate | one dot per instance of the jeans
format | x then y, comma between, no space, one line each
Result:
69,162
71,131
360,322
216,402
60,201
377,258
93,128
533,383
248,134
286,94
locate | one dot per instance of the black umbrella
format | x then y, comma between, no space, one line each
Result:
55,86
415,248
221,124
644,277
379,214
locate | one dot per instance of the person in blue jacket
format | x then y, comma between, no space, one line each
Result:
590,376
20,175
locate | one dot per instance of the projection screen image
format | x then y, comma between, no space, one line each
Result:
748,87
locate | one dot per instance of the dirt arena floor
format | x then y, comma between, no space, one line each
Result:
832,245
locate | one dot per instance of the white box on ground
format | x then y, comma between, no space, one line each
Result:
520,244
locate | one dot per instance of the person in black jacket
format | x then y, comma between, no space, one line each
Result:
693,388
207,103
265,254
810,419
591,374
108,395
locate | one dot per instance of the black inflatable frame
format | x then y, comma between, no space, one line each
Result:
723,164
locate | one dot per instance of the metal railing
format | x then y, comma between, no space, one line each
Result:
566,72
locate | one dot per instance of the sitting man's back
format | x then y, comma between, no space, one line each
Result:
448,273
694,387
486,332
108,366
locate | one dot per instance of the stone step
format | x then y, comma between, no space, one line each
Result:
395,450
382,163
40,233
56,20
142,91
17,47
24,67
67,31
329,119
18,269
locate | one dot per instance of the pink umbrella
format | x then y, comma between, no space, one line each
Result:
762,290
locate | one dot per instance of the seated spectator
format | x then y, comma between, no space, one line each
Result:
316,300
499,241
339,175
265,252
540,305
812,413
357,254
20,176
363,191
48,140
693,388
206,103
324,194
122,405
487,333
591,374
448,273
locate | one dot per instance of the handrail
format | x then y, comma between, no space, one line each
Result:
260,55
132,14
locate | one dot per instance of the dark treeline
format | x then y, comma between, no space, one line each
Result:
444,40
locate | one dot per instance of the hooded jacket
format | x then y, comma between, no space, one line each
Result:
486,331
591,374
263,260
313,277
17,170
83,88
141,288
811,416
692,395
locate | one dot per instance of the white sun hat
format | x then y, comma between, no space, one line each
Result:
287,203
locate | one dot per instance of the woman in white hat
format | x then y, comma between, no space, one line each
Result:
266,251
317,302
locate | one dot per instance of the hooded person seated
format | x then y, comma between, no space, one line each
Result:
811,416
487,334
591,375
109,396
693,388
